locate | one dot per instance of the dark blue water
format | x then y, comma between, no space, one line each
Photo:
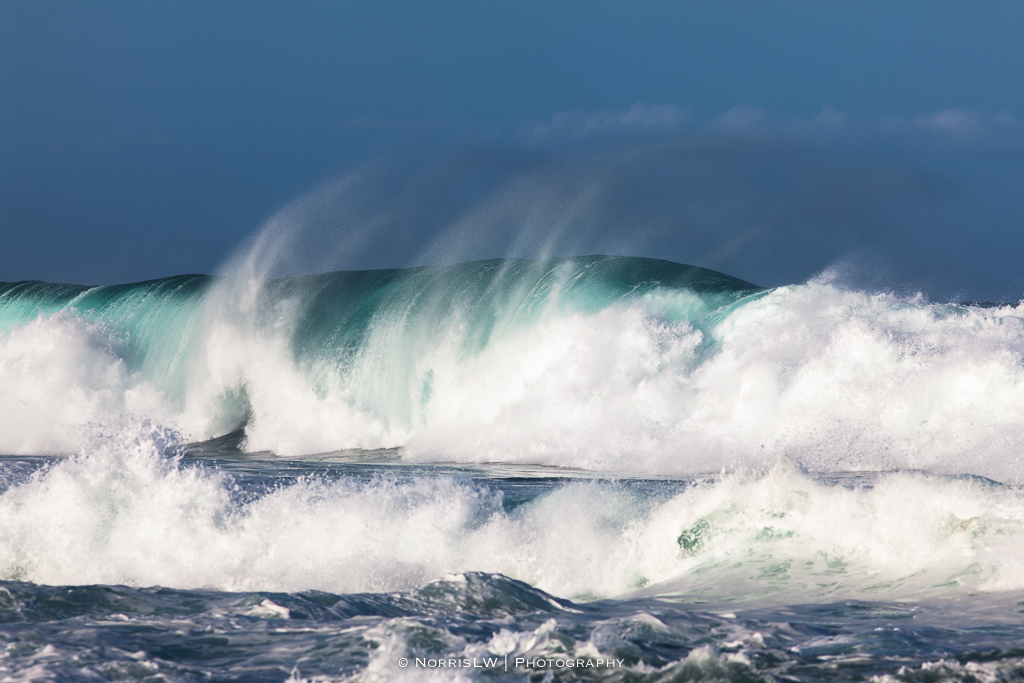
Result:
485,626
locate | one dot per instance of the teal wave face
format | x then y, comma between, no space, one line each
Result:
364,335
336,311
372,332
338,307
151,326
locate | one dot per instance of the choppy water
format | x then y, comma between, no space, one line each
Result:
214,565
491,470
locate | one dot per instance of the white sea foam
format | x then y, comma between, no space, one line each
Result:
837,380
62,377
246,348
129,515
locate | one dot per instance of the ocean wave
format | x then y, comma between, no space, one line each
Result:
132,512
622,365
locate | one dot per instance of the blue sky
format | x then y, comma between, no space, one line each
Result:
768,140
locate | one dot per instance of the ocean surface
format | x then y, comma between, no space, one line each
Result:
587,469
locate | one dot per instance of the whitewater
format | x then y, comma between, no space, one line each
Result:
597,458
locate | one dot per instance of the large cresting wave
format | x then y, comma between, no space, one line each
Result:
618,364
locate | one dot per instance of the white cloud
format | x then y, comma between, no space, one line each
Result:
640,115
953,120
743,118
956,127
829,118
639,118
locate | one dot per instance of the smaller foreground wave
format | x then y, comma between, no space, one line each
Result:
134,516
